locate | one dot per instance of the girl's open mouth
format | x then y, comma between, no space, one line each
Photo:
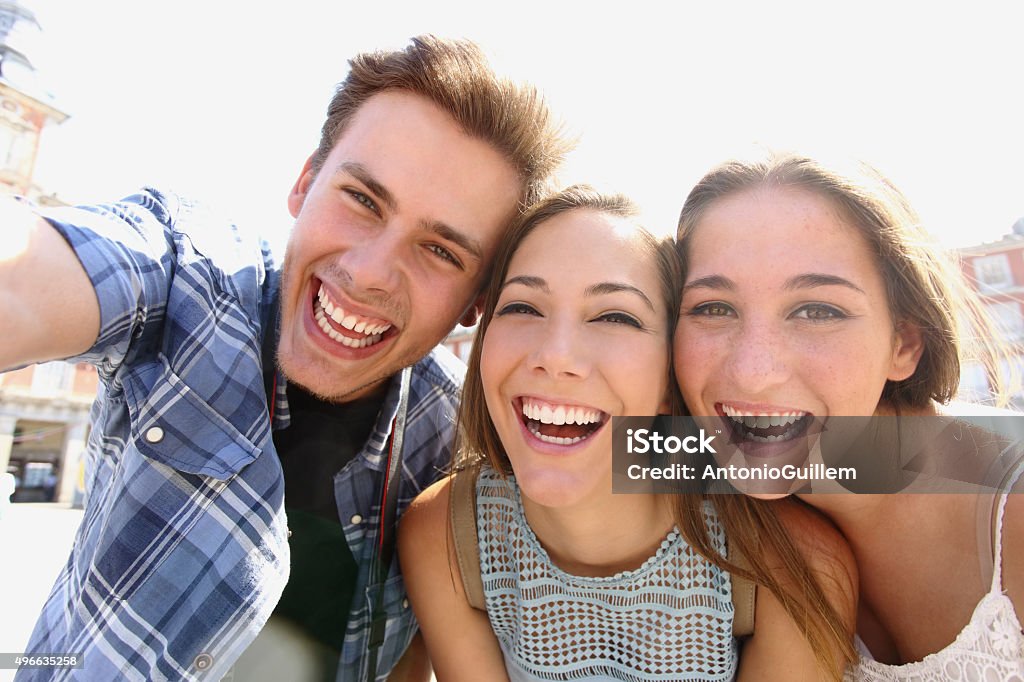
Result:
560,423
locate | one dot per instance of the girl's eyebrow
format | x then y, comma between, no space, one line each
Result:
528,281
711,282
598,289
817,279
805,281
615,287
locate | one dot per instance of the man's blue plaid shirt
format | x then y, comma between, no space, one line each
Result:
182,553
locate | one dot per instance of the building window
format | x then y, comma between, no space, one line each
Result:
993,272
1008,319
974,385
53,378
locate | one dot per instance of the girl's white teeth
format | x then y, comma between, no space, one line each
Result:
762,421
562,414
535,430
351,322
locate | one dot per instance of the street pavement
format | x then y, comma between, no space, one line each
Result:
35,540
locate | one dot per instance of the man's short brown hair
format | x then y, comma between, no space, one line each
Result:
456,76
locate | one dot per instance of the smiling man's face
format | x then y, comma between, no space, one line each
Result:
392,239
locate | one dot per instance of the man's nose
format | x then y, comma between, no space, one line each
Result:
374,262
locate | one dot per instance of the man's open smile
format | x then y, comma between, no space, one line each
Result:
346,328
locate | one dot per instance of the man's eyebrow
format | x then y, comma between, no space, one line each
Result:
363,175
463,240
616,287
817,279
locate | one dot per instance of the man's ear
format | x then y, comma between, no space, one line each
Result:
473,312
298,194
906,352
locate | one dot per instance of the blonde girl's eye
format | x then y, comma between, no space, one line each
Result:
712,309
819,312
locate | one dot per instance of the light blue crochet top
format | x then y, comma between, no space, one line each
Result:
669,619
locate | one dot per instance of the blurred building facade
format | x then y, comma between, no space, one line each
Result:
26,107
996,272
44,409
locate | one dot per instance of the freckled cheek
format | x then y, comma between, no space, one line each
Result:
694,354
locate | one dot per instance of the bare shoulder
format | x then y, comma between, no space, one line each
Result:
779,650
431,571
425,523
822,546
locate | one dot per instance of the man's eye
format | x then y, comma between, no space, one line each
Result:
444,254
620,318
364,200
517,308
712,309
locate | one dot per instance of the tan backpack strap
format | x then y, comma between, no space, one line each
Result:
744,595
463,522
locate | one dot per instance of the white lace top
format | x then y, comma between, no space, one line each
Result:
990,648
670,619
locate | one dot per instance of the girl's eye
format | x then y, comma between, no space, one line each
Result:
517,308
444,254
712,309
620,318
819,312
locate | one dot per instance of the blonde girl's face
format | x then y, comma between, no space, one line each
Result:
784,318
578,336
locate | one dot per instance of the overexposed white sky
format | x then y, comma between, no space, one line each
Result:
225,99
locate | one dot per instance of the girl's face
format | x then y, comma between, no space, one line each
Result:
784,316
578,336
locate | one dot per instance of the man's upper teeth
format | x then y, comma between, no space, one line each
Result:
762,421
356,324
560,414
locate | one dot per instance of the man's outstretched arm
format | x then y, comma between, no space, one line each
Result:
48,307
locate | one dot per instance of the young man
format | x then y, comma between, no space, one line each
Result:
200,446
